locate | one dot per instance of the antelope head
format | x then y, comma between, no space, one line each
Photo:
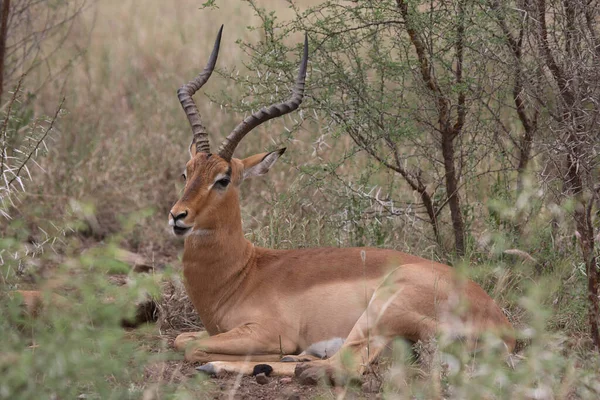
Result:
212,180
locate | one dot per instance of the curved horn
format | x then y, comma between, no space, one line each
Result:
185,93
276,110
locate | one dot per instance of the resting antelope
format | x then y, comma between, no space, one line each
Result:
258,304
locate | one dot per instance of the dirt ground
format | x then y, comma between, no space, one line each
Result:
278,388
233,386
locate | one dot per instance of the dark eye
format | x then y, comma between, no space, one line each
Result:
184,176
222,183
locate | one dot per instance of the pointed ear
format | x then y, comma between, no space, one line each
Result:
260,164
192,149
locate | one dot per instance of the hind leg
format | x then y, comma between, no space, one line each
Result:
389,314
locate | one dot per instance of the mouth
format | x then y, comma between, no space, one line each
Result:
180,231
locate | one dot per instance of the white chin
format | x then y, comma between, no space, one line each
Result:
200,232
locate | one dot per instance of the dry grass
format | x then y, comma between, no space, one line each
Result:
123,144
176,314
124,141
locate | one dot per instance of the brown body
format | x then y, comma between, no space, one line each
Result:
268,303
259,304
281,294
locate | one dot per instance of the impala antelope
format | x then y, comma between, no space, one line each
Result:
283,307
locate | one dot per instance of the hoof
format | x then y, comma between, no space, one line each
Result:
300,368
262,369
309,374
298,359
208,369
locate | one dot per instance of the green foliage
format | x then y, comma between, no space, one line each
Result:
76,345
365,85
67,352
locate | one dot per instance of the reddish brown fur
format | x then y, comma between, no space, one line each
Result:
256,301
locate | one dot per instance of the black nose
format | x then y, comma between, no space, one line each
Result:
179,216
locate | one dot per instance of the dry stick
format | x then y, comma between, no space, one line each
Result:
280,347
3,34
39,142
448,137
363,256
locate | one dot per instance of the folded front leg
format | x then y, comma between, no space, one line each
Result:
183,339
246,342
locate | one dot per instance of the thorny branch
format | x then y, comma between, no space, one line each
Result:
39,142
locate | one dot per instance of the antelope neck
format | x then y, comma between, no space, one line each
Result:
215,265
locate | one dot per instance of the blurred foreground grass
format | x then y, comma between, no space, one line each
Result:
112,173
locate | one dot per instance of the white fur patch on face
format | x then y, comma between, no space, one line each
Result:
217,179
324,349
200,232
179,223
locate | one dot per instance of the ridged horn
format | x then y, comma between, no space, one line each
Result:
185,93
276,110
